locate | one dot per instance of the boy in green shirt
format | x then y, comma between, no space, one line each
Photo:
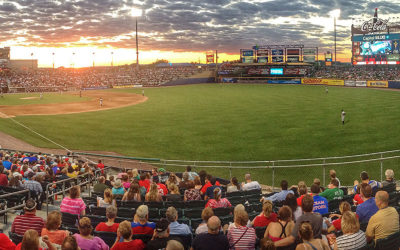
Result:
333,192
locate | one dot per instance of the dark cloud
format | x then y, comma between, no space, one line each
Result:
179,25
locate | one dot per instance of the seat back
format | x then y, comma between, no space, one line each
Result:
107,237
154,204
222,211
391,242
96,219
175,204
235,194
333,205
131,204
69,219
16,238
186,239
195,204
260,231
126,212
193,212
144,237
98,211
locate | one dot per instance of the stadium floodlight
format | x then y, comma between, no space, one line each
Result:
335,14
136,13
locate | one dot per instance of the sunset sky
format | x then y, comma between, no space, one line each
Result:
179,31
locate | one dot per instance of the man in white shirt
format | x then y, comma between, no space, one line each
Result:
249,185
343,115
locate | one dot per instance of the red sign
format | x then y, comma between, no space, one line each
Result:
253,71
210,58
295,71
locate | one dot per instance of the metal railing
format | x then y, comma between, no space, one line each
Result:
274,169
80,180
6,208
314,167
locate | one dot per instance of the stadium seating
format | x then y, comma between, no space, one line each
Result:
391,242
107,237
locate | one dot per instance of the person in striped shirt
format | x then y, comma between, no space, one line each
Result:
29,220
241,236
73,204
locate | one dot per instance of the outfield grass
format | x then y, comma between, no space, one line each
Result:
18,99
233,122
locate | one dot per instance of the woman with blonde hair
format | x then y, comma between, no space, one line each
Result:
135,174
353,237
133,193
336,224
173,194
153,194
52,231
31,241
266,216
108,199
85,240
172,179
307,235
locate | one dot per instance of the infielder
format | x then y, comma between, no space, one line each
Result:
101,102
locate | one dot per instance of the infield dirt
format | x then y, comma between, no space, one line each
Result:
111,100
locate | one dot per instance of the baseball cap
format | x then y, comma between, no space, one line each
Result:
162,225
161,170
30,205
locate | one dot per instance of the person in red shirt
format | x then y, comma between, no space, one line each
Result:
3,177
143,182
125,231
110,225
6,243
162,189
266,216
100,165
208,184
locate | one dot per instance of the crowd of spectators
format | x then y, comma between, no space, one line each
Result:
357,73
296,217
41,80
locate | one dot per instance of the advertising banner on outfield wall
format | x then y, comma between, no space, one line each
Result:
394,84
361,84
294,81
231,80
318,81
377,84
350,83
122,86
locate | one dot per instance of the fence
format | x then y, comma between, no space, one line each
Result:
25,193
272,172
63,186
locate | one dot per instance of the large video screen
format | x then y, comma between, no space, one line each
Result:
375,48
376,52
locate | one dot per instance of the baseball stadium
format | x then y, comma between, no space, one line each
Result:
283,147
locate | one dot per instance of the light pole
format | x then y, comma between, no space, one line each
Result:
137,13
112,58
93,58
335,14
73,61
53,59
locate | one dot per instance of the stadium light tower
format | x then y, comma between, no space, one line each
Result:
335,14
136,13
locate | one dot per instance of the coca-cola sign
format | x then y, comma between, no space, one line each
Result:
371,26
